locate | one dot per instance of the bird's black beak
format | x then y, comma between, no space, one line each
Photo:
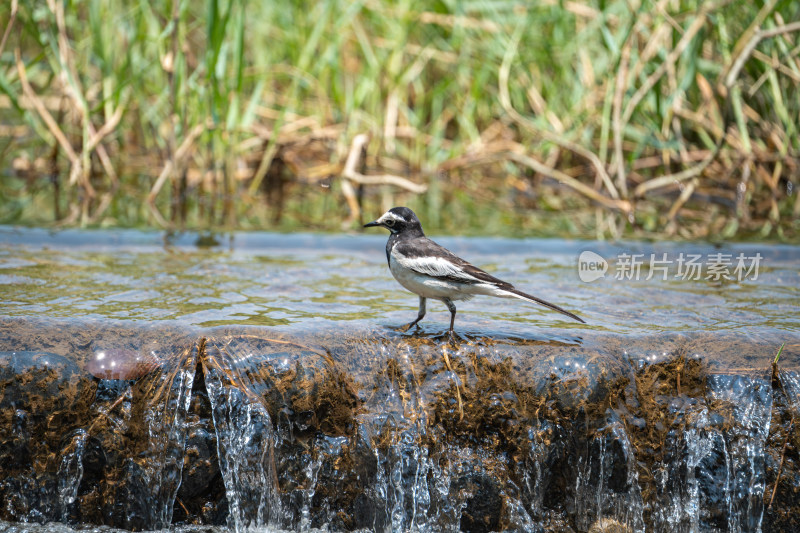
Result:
372,224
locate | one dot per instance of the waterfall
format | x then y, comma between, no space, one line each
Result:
247,431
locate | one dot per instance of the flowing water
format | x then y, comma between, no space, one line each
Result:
262,383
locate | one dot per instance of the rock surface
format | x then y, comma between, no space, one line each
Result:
361,430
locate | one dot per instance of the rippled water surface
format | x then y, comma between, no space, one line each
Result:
265,279
262,382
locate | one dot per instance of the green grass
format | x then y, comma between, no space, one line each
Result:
778,355
224,114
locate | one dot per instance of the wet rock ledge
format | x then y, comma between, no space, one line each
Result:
140,427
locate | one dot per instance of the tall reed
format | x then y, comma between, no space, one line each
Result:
670,117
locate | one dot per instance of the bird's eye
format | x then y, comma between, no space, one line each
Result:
389,222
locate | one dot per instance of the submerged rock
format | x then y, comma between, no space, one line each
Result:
119,363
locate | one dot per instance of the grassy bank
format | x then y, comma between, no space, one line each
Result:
673,119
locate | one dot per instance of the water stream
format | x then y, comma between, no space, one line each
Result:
262,384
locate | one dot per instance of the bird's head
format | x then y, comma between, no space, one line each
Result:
398,220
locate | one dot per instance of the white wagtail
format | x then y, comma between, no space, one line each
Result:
432,271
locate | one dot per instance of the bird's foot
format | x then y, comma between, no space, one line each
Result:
403,329
453,339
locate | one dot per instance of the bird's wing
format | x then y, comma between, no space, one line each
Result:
426,257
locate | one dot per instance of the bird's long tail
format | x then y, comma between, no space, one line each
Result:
521,295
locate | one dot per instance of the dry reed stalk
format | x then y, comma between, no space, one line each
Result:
780,466
11,18
487,153
46,117
513,151
80,163
288,135
505,102
659,40
410,48
653,161
663,181
350,174
686,193
452,21
456,382
171,167
79,172
774,64
747,49
671,58
616,118
619,205
94,143
105,202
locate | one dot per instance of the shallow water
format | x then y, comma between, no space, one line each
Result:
300,280
262,383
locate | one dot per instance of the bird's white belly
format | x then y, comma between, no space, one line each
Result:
428,286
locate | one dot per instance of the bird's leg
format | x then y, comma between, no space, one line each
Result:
420,315
451,306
